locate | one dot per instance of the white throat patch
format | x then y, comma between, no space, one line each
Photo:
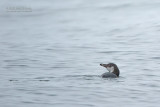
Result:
110,69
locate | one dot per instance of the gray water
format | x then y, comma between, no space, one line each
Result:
50,56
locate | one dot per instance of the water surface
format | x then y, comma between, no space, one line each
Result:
50,56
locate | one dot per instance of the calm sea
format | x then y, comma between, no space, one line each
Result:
50,53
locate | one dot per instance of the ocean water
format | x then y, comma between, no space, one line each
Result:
50,53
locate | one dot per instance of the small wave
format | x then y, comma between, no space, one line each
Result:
81,76
156,57
115,7
13,80
118,51
17,65
44,80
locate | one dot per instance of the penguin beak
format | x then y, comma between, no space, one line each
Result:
103,65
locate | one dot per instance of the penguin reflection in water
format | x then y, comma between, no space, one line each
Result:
113,71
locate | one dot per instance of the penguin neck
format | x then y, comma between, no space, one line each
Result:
116,71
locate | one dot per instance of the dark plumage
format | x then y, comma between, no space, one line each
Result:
113,70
